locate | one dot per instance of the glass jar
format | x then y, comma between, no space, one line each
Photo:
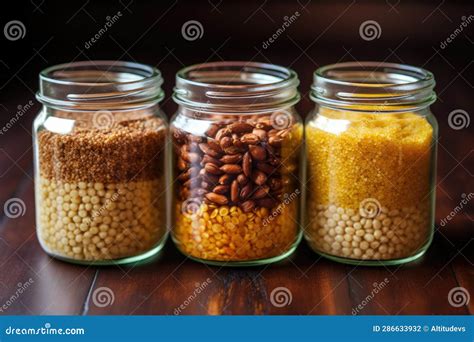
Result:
237,149
99,148
371,154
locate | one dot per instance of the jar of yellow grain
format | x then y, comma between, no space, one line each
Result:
237,147
371,163
99,147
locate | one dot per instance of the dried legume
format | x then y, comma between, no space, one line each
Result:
230,181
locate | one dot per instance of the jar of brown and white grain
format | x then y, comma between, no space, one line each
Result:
100,174
237,147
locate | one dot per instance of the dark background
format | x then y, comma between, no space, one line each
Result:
325,32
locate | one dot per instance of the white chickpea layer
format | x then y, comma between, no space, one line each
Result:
97,221
390,234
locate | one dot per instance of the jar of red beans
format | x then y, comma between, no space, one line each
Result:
237,143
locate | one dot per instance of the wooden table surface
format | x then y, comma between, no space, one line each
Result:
171,283
168,283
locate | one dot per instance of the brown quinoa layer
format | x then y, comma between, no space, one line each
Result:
128,151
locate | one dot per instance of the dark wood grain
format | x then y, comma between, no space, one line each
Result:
56,287
168,283
421,287
15,161
464,271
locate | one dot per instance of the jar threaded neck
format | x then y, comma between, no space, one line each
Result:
95,85
373,86
236,87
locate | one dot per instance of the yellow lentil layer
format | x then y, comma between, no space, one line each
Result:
223,233
385,158
97,221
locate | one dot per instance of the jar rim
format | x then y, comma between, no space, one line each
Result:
92,85
368,86
236,86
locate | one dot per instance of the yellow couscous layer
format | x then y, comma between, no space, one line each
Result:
354,156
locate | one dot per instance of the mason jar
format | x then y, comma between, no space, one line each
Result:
237,151
371,154
100,174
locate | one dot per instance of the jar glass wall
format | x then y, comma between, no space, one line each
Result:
100,174
237,149
371,163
